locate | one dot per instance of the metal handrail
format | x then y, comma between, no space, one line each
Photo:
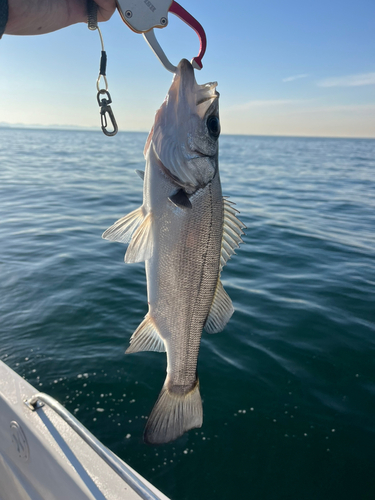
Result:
108,456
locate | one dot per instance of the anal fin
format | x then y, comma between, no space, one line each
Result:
220,312
146,338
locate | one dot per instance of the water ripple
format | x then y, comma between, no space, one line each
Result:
288,386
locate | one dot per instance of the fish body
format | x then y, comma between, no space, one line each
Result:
185,231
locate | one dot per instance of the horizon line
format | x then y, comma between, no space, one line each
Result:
82,128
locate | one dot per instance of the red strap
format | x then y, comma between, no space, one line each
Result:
180,12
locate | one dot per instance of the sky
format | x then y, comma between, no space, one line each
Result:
283,68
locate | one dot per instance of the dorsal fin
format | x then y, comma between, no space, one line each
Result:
232,231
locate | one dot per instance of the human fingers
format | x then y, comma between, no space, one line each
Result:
105,9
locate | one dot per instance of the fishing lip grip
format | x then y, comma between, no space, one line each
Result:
103,96
142,16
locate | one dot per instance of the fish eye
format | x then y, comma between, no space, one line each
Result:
213,126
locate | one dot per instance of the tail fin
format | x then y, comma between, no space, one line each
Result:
173,414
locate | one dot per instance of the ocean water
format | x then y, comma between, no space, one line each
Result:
288,388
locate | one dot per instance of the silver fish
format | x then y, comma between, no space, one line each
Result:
185,231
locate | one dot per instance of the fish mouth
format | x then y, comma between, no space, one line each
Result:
185,70
208,98
186,76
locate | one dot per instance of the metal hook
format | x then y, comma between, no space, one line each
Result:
184,15
103,112
105,109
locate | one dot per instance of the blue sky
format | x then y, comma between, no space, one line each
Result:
283,68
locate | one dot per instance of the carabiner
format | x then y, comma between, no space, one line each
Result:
105,109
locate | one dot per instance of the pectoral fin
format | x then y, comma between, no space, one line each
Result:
180,199
220,312
141,244
141,174
123,229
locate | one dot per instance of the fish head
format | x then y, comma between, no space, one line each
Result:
186,131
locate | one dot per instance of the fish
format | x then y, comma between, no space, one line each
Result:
185,231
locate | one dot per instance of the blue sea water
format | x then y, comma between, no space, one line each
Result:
288,388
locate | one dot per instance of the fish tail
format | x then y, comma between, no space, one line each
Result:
176,411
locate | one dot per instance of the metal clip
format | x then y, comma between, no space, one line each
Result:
105,109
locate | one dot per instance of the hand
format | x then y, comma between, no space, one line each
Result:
36,17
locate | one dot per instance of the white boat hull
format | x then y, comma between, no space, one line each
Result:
43,458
